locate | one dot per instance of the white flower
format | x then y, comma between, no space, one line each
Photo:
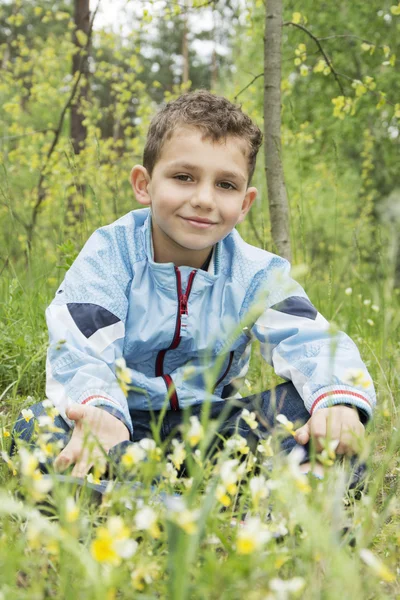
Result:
370,322
179,513
237,443
27,414
258,489
45,421
28,462
195,433
146,520
133,455
367,302
252,536
348,291
284,588
71,510
170,473
249,418
375,308
178,454
286,424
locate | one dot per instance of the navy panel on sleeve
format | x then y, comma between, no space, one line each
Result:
298,307
89,318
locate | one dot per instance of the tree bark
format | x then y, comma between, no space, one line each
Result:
80,64
277,197
185,47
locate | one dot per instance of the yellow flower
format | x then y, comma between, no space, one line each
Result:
296,18
102,548
133,455
258,489
146,520
395,10
222,496
5,433
123,375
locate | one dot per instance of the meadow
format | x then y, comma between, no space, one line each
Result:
154,534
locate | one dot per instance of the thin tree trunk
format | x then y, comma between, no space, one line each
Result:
78,130
185,47
277,197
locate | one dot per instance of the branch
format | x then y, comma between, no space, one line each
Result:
248,85
40,191
316,40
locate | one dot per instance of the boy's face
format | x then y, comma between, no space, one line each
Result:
195,180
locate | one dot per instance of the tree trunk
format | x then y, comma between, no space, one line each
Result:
80,63
277,197
185,47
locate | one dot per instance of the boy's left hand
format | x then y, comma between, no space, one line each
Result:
337,423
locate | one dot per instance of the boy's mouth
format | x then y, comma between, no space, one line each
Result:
202,223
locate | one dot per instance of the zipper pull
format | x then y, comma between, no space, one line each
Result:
183,304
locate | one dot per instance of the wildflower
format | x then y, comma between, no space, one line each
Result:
222,495
304,70
370,322
258,489
112,543
27,414
284,588
91,478
252,536
170,473
395,10
123,375
286,424
187,482
144,575
195,433
264,447
150,447
348,291
375,308
4,432
358,378
237,444
377,566
178,455
28,462
327,456
229,473
179,514
133,455
146,520
367,302
249,418
71,510
39,485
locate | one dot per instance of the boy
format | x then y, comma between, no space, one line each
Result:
161,288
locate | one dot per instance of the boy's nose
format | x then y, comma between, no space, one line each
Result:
203,196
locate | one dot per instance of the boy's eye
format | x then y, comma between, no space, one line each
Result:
227,186
183,177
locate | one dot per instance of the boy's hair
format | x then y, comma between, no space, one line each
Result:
214,115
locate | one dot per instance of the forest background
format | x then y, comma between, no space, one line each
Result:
75,104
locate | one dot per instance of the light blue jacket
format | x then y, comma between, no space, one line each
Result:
172,325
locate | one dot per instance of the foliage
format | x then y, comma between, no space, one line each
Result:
340,165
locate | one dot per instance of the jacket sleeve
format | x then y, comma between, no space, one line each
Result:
324,365
86,324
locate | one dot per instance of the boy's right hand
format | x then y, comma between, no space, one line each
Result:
82,450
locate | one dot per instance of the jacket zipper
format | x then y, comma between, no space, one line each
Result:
182,310
226,370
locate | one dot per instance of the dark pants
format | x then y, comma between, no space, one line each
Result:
283,400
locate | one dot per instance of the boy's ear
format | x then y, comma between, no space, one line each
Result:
140,181
251,195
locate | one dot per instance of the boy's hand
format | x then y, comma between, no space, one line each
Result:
337,423
82,449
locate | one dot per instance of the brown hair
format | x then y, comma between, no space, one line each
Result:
214,115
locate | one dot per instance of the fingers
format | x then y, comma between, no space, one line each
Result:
337,423
302,434
81,469
75,412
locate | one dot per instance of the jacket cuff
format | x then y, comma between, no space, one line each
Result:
117,413
344,394
363,416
